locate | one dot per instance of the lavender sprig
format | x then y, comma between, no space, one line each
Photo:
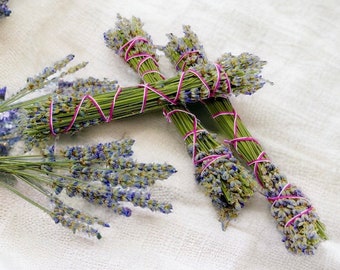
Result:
8,131
50,174
296,218
222,192
43,81
4,10
62,113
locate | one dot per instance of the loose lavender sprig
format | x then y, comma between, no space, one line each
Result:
51,173
43,81
8,127
4,10
296,217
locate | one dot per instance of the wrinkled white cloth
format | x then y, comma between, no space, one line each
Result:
296,120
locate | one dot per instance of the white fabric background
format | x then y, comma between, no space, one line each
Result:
297,121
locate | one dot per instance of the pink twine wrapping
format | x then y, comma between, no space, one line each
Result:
289,197
210,158
184,55
219,69
146,88
259,159
77,110
145,56
236,139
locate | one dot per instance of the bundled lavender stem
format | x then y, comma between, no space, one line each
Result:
12,114
224,179
63,113
296,218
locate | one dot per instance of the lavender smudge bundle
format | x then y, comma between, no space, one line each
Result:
93,101
224,179
295,216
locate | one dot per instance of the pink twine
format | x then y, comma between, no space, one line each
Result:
152,71
77,110
146,88
280,197
184,55
259,159
306,211
145,56
219,70
210,158
236,139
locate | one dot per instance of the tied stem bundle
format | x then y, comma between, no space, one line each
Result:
64,113
295,216
12,114
224,179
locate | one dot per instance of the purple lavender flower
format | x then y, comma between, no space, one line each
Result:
4,10
8,127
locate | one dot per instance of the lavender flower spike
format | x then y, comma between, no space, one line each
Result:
8,127
4,10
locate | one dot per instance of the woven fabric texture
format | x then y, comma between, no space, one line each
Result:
297,121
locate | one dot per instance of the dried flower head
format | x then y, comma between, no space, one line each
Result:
103,175
223,177
4,10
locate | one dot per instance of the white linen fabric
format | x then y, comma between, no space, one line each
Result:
296,120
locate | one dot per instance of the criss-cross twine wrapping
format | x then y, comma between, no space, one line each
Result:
146,88
194,133
290,197
144,56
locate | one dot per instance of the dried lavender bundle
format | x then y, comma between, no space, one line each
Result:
296,218
217,170
11,114
63,113
224,178
104,175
